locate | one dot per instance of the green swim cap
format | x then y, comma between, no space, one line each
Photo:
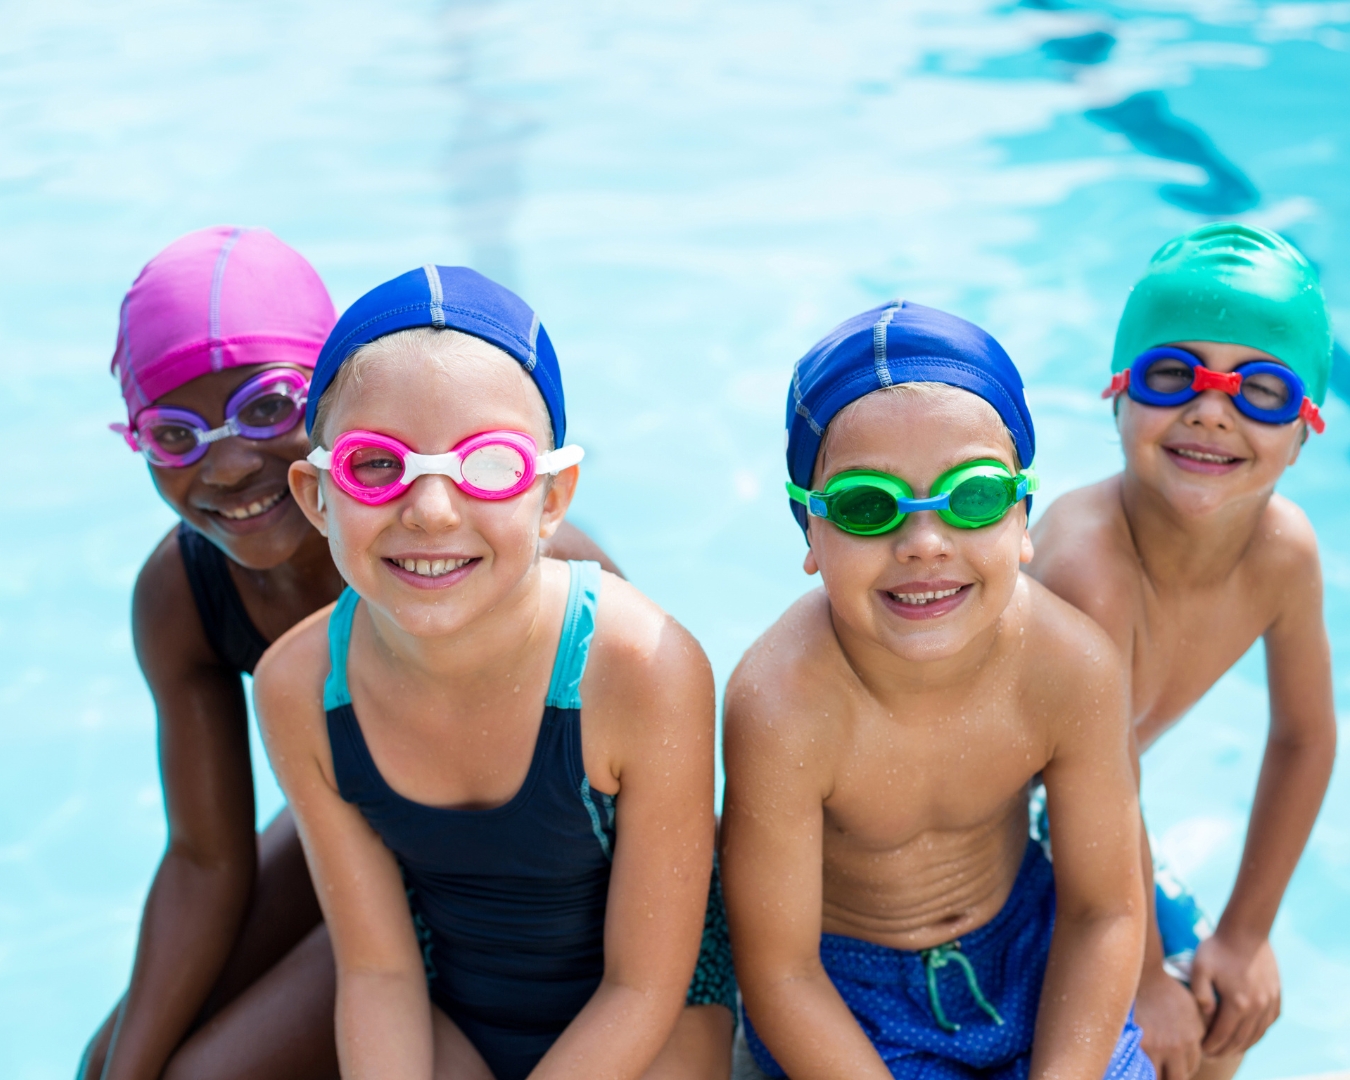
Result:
1238,284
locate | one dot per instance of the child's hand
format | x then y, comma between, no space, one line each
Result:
1172,1024
1237,986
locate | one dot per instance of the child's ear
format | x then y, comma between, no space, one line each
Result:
557,499
1028,552
809,564
306,490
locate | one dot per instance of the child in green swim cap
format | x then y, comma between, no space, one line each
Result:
1188,556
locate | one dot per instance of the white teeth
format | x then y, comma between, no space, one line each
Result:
259,506
1197,455
430,567
921,598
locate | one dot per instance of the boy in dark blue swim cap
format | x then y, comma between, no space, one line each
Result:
889,916
1186,558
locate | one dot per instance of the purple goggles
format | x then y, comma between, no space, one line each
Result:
267,405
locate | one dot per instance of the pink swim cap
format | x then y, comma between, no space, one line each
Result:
218,298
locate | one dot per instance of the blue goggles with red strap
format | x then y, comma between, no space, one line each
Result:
1262,390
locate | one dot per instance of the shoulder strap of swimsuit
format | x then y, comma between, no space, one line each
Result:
335,692
231,633
583,591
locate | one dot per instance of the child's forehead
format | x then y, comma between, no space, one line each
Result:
920,433
423,386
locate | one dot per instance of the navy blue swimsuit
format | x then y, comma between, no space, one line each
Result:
509,902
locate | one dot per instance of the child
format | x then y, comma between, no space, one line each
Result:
1186,558
888,914
233,974
508,896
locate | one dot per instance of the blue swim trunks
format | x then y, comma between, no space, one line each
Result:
963,1010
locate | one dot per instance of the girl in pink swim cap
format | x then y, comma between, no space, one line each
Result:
233,974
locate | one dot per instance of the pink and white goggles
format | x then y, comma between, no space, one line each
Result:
374,468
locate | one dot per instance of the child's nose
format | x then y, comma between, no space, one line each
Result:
230,462
1211,408
921,536
432,507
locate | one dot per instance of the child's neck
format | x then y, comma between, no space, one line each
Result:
485,651
890,677
1180,550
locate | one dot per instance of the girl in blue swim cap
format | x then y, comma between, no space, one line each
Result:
501,765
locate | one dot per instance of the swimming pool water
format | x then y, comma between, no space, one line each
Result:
690,195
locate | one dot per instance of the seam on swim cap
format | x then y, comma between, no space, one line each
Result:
534,333
800,407
213,307
437,297
879,343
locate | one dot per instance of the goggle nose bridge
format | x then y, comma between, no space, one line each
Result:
1205,379
447,464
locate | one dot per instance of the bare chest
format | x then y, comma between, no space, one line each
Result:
1182,646
945,771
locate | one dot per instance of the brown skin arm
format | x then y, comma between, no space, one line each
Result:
1098,941
772,830
201,888
1235,978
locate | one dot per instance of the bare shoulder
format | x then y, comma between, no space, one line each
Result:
1072,661
288,690
1285,541
779,698
1086,555
639,649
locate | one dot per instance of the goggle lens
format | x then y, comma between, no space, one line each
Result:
373,468
982,499
495,467
863,507
1266,391
168,440
1169,376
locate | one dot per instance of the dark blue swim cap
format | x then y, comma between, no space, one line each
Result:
898,342
452,298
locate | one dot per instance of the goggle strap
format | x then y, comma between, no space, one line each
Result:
320,458
555,461
128,434
815,505
1120,382
1311,415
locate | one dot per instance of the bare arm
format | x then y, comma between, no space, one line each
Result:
1235,977
383,1013
1098,941
657,699
772,827
201,888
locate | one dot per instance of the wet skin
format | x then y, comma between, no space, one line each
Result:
448,676
233,974
878,752
1186,563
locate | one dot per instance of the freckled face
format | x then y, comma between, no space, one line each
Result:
926,590
467,554
237,495
1205,454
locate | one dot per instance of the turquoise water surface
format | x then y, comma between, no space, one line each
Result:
690,195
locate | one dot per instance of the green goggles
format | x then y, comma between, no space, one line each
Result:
867,503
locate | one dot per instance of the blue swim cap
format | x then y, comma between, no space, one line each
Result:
898,342
452,298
